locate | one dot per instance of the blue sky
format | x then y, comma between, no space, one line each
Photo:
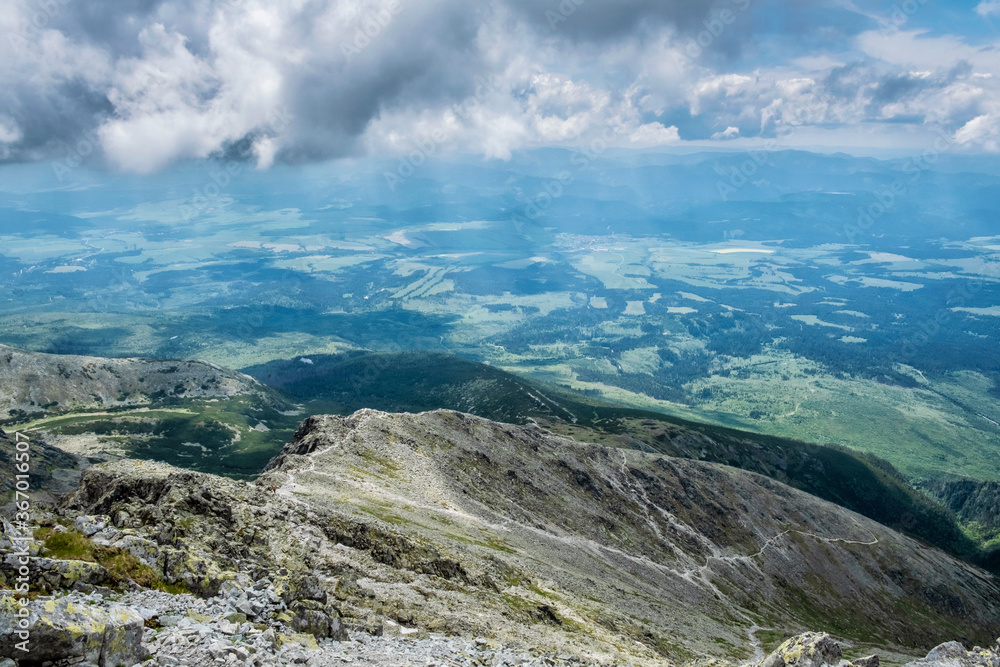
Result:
137,85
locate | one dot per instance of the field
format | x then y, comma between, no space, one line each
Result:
768,313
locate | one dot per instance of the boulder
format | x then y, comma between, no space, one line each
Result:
812,649
71,573
91,524
953,654
147,551
59,574
199,572
299,587
314,618
867,661
60,629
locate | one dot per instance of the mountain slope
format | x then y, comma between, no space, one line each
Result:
408,382
35,384
418,381
50,470
188,413
600,542
198,416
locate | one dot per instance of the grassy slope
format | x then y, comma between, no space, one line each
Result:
221,436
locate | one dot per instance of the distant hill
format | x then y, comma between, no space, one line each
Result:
34,384
187,413
408,382
198,416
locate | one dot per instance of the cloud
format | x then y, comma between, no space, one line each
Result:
988,8
982,131
151,82
654,134
730,132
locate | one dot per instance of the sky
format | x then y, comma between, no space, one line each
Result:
138,85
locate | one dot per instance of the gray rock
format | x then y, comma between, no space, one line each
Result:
811,649
953,654
59,629
314,618
145,550
59,574
867,661
946,651
91,524
245,607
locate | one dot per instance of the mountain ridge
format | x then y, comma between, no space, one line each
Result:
444,522
239,435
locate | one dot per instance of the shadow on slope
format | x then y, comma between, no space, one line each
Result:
422,381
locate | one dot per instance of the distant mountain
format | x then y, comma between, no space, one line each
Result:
205,418
614,543
407,382
34,384
187,413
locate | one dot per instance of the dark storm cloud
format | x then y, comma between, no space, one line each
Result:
426,55
602,21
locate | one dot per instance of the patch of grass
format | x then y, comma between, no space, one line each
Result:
71,545
174,589
386,516
43,533
120,564
771,639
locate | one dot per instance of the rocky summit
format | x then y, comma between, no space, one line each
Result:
443,538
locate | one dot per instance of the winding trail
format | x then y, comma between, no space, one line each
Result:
660,521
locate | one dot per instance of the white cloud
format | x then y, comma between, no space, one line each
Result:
181,79
654,134
982,132
921,50
9,131
730,132
988,8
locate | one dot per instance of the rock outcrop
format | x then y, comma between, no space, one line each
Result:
53,472
57,629
810,649
953,654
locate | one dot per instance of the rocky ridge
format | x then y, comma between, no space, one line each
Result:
404,532
36,384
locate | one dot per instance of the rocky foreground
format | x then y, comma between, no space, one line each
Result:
442,538
146,627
